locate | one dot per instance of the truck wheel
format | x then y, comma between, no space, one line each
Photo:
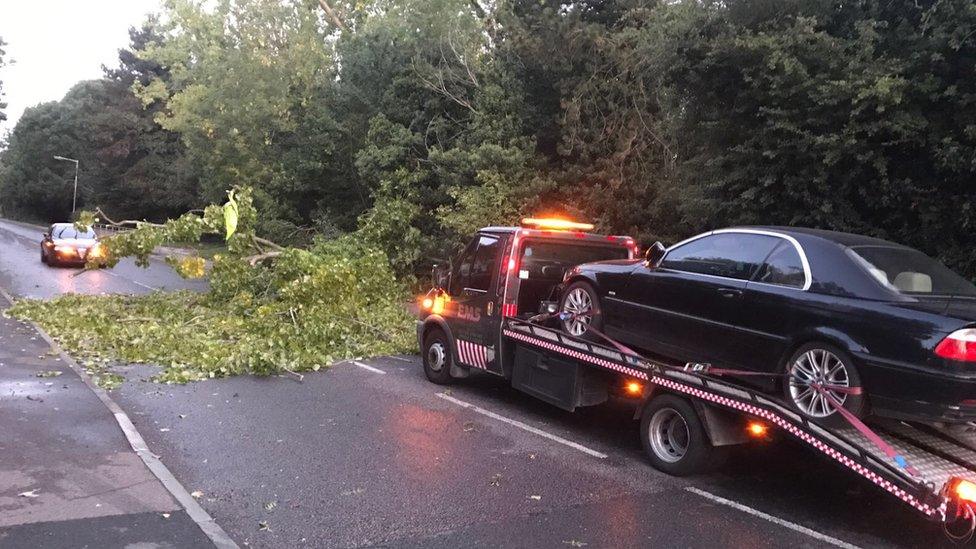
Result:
437,357
674,437
43,257
822,363
581,300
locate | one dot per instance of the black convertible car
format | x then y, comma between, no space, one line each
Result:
820,307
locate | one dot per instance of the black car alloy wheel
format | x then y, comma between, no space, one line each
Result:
581,302
819,364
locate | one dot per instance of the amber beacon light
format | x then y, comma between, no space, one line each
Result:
556,224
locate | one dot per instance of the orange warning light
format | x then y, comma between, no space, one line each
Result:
964,490
556,224
634,388
440,303
757,429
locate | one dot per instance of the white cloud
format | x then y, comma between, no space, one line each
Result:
56,43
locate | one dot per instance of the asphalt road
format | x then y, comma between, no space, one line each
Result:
23,275
371,454
355,457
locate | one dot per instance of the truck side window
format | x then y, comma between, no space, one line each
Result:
460,278
484,263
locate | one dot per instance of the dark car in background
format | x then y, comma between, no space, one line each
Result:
65,244
818,307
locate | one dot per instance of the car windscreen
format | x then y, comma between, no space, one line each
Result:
70,231
550,259
909,271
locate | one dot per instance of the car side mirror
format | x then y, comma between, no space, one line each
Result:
654,254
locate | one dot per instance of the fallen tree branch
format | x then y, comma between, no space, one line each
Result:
124,222
296,374
383,335
332,15
269,243
255,259
133,223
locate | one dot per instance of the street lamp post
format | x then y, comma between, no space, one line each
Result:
74,197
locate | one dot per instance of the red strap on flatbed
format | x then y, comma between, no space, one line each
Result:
867,432
821,388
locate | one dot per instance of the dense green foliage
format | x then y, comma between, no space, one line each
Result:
414,121
302,311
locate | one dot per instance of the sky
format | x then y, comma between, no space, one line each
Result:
55,43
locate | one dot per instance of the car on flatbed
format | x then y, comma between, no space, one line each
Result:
886,329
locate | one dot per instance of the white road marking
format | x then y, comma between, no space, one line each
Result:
401,359
523,426
775,520
148,287
368,367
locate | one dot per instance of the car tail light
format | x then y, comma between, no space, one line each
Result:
959,345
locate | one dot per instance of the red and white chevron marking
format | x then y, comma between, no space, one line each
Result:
472,354
576,354
802,435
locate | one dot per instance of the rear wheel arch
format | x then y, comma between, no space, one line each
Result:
828,336
579,277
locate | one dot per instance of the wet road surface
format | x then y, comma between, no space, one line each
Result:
23,275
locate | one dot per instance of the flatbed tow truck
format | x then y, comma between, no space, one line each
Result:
493,311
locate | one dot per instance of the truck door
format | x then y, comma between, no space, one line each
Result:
475,314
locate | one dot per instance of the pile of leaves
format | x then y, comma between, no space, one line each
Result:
267,310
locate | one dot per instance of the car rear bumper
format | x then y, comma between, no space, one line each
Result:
919,395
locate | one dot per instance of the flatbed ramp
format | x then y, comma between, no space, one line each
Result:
928,460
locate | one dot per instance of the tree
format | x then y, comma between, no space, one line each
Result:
153,177
3,115
249,90
34,185
443,147
852,117
129,165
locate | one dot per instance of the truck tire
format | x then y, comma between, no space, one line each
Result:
43,257
824,362
674,437
580,298
437,357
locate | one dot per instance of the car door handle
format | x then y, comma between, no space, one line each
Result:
729,292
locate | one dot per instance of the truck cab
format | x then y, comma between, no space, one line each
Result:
502,272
